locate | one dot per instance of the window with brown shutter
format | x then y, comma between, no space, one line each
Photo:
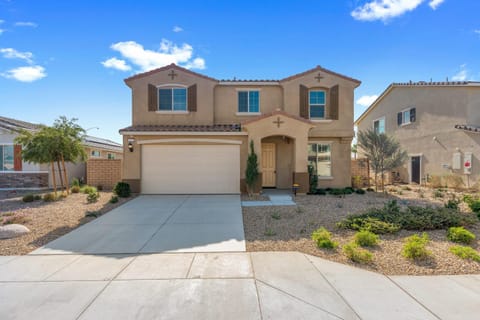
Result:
334,102
303,102
192,98
17,157
152,97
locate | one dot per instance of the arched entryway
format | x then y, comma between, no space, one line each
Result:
277,164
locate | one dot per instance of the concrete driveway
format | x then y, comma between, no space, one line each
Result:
260,285
152,224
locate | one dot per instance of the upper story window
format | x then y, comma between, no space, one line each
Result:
317,102
95,153
172,99
249,101
111,156
379,125
406,116
6,158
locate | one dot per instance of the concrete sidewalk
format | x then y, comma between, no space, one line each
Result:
261,285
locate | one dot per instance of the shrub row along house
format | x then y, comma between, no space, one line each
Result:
437,123
18,174
190,133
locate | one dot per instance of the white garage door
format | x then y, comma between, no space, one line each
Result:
190,169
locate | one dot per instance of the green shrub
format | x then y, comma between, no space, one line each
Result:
438,194
28,198
270,233
88,189
100,187
337,192
75,182
321,192
366,238
369,224
113,199
93,214
460,235
475,206
49,197
452,204
37,197
357,254
415,247
93,196
75,189
323,239
360,191
467,253
370,190
122,189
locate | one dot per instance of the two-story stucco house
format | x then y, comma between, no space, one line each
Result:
437,123
191,133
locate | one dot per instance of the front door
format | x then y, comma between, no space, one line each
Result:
416,169
269,171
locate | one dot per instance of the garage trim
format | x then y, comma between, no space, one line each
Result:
189,140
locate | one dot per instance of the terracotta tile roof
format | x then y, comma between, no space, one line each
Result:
170,66
249,80
467,128
184,128
278,113
319,68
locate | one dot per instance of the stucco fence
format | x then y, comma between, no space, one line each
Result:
104,172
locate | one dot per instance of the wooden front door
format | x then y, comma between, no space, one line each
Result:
269,171
416,169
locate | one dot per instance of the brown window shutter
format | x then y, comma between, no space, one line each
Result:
152,98
304,102
192,98
17,157
334,102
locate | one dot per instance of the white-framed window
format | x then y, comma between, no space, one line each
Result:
111,156
319,156
317,103
95,153
172,99
249,101
6,157
406,116
379,125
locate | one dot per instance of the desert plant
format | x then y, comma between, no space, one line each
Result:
276,216
460,235
356,253
37,197
270,233
49,197
464,252
366,238
360,191
122,189
371,224
88,189
251,172
323,239
93,196
75,189
452,204
438,193
321,192
28,198
113,199
415,247
312,179
75,182
93,214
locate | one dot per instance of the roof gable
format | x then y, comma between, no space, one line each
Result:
318,69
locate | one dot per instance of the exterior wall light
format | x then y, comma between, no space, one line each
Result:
130,144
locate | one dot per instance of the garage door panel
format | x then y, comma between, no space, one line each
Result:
190,169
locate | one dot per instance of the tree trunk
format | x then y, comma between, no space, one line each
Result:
54,180
60,174
65,175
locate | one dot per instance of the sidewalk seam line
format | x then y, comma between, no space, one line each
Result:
256,287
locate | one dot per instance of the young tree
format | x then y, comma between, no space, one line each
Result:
251,172
382,151
354,151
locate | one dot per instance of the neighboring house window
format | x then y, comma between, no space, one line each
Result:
406,116
111,156
379,125
316,100
172,99
319,156
95,153
248,101
6,158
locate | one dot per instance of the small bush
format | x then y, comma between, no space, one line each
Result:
276,216
93,196
460,235
28,198
75,182
469,199
122,189
323,239
360,191
357,254
371,224
366,238
113,199
337,192
75,189
475,206
467,253
438,194
37,197
88,189
321,192
270,233
370,190
415,247
452,204
49,197
93,214
100,187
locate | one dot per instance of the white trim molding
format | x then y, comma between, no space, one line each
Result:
184,133
172,112
189,140
248,114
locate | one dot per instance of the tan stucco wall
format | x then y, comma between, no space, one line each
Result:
438,110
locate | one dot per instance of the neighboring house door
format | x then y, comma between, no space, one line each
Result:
269,171
415,169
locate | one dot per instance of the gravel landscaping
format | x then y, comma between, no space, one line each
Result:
48,220
290,229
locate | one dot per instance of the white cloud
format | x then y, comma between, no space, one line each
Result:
2,31
11,53
177,29
388,9
168,53
2,21
477,31
366,100
435,3
115,63
26,24
26,74
461,75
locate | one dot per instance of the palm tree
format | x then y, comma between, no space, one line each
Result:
382,151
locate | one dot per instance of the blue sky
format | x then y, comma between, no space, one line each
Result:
70,57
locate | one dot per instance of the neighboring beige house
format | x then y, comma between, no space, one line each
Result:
437,123
190,133
15,173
